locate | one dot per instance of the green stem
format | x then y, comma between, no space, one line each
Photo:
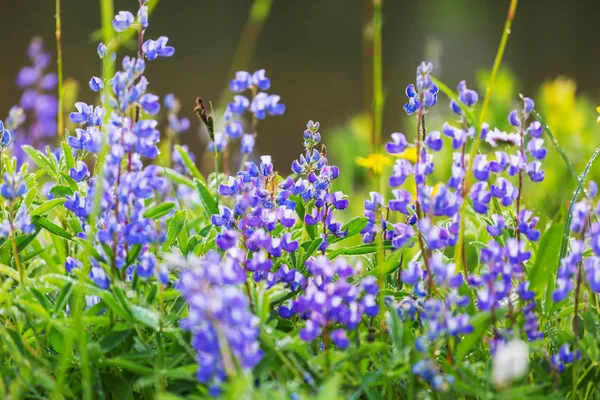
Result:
13,238
216,157
378,121
160,382
477,141
107,13
59,62
377,83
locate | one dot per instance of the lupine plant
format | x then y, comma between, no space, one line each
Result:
127,273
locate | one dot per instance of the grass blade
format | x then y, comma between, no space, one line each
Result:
554,141
565,240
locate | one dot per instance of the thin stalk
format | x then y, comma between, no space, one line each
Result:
367,44
13,238
107,13
378,119
257,16
377,81
59,63
216,157
421,127
486,103
160,381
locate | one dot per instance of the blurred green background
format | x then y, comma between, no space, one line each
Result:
316,53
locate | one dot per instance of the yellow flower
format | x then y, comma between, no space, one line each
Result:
374,162
377,162
409,154
598,109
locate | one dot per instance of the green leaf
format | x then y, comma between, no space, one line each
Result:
25,240
544,268
68,152
176,177
47,206
159,210
113,339
63,298
129,365
208,200
51,227
189,163
330,389
133,254
361,249
481,323
310,247
61,191
40,159
145,316
390,265
354,226
70,181
119,295
174,227
42,299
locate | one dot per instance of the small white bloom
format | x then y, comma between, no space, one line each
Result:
510,362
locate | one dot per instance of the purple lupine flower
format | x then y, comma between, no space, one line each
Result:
122,21
497,227
535,172
96,84
465,96
504,190
424,95
218,310
398,143
402,233
535,129
526,225
481,168
401,170
501,163
102,50
263,104
98,275
434,141
481,197
79,172
330,298
157,48
536,149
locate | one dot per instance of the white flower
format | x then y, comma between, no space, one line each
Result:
510,362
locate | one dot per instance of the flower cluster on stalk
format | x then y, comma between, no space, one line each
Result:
122,185
14,220
331,303
38,104
224,330
258,104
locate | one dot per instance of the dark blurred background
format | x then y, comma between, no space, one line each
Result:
312,51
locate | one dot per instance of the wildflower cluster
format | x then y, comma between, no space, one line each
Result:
259,104
119,195
224,330
127,274
331,303
38,104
